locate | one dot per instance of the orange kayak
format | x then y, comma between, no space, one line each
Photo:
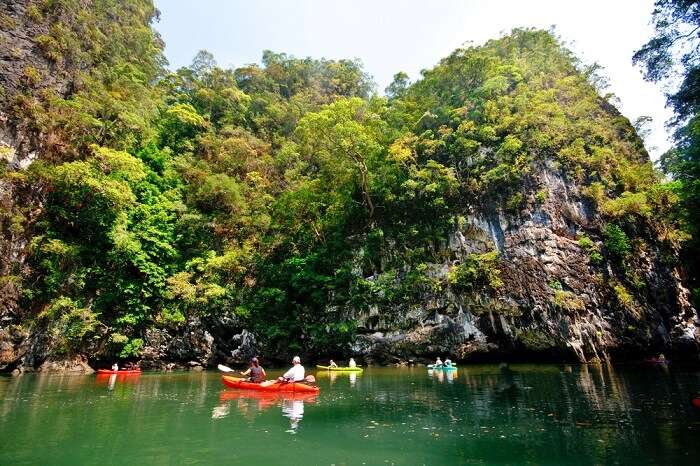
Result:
123,372
296,387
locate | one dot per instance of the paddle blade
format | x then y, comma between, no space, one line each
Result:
223,368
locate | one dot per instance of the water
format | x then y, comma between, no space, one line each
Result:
542,414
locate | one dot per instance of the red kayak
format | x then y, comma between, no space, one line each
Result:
243,384
696,402
122,372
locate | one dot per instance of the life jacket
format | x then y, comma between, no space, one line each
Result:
256,374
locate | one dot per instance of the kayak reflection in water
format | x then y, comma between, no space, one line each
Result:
250,403
443,375
255,372
294,410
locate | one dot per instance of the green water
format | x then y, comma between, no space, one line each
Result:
543,414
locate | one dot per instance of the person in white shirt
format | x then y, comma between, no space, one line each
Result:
295,374
352,363
448,362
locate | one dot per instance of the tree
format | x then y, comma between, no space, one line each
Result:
344,139
203,63
674,52
398,86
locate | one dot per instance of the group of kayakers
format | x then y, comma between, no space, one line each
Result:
256,374
439,363
351,363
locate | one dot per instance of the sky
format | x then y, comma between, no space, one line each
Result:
410,35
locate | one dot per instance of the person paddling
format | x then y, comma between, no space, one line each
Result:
438,362
352,363
255,372
448,362
295,374
332,364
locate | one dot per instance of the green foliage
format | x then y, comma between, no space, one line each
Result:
616,242
535,340
288,197
591,248
567,301
132,348
541,196
69,325
514,203
627,204
398,86
672,56
477,272
624,298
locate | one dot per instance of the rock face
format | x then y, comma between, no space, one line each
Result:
202,343
20,205
76,365
553,300
24,69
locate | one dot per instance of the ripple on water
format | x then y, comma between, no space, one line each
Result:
527,414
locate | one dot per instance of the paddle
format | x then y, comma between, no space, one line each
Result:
223,368
227,369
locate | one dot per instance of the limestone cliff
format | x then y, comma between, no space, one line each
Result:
553,303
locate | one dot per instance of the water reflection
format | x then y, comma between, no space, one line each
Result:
489,414
294,410
443,375
333,376
110,380
250,403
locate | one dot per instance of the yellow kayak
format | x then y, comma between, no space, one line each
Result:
341,369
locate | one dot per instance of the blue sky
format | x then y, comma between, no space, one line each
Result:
410,35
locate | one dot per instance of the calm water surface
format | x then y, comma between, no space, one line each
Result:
483,414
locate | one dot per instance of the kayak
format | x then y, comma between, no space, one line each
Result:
696,402
442,368
341,369
120,372
657,361
243,384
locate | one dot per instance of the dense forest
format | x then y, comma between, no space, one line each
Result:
499,205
